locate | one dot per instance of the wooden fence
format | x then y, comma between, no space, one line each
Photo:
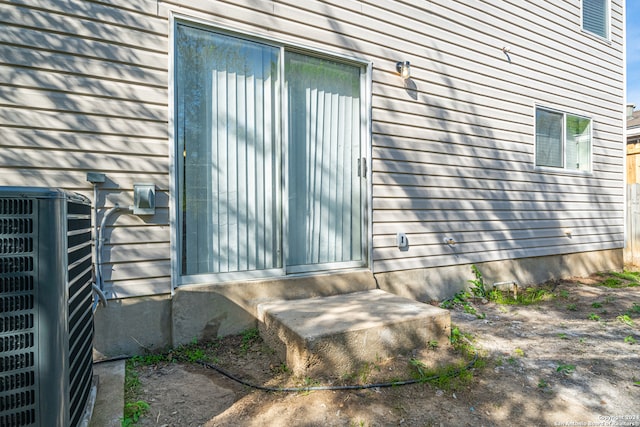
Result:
632,243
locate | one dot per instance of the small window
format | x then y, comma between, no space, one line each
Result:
595,17
562,140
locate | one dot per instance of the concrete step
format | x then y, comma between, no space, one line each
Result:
338,333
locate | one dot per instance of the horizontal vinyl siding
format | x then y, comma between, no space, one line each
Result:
453,152
84,88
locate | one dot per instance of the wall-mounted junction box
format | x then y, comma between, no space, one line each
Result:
144,199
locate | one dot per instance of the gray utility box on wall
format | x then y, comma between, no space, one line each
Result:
46,319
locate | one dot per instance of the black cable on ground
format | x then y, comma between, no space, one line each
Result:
336,387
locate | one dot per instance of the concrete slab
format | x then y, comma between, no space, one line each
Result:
109,405
338,333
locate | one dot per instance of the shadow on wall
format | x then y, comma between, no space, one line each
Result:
458,173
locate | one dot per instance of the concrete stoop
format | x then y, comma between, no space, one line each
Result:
338,333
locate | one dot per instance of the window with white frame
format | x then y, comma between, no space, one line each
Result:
595,17
562,140
268,147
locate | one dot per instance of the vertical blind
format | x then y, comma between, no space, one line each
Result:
595,16
324,148
228,133
227,115
549,138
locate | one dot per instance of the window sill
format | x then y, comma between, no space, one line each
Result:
562,171
596,37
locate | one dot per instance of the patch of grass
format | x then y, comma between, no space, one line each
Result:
563,336
468,308
629,339
613,283
433,344
625,319
566,368
462,342
131,380
282,368
459,298
308,382
632,276
596,304
532,295
363,373
625,279
451,377
594,317
572,307
193,352
635,309
133,411
564,294
542,383
248,338
519,352
148,359
133,407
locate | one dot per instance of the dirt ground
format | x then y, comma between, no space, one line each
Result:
571,359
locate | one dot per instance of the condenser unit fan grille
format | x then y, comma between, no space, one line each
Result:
18,328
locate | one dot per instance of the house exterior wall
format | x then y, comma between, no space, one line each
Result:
85,88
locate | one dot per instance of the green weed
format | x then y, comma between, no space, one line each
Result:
468,308
462,342
478,288
133,411
364,372
635,309
564,294
611,283
451,377
596,305
572,307
625,319
629,339
131,380
458,298
519,352
594,316
566,368
248,338
542,383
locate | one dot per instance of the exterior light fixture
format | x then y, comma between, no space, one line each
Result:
404,69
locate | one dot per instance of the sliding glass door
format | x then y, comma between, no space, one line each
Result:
325,197
241,207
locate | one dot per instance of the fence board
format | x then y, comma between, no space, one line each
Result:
632,246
